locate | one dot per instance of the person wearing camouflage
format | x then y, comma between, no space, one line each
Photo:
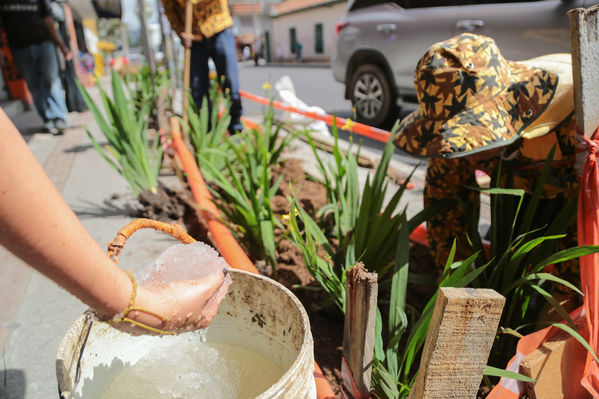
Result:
475,108
211,37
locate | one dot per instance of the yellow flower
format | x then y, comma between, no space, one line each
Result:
286,218
266,86
349,124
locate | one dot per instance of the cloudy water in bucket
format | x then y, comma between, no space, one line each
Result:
189,368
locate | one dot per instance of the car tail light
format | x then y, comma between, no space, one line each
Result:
339,27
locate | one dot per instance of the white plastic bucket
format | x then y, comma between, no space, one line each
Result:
258,314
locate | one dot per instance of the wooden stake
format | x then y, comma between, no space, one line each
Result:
358,335
458,343
584,43
187,61
584,46
145,39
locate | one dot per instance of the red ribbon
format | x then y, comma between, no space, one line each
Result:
588,234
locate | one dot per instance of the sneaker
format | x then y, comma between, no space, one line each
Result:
60,125
50,127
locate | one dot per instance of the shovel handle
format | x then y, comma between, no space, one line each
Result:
115,247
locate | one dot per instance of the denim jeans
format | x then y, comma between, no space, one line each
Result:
39,67
221,48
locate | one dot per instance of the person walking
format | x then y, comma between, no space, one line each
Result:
32,37
298,52
211,37
257,50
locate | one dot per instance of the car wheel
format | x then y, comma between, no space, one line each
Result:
371,95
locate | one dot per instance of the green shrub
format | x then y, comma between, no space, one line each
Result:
207,130
364,228
245,187
129,151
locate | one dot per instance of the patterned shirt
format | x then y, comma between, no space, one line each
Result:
209,17
446,178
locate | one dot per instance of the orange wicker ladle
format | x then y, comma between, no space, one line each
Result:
116,245
114,249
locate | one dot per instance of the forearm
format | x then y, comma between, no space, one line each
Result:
51,27
39,227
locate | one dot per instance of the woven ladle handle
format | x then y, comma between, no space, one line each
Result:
115,247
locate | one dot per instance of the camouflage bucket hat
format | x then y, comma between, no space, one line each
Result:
471,99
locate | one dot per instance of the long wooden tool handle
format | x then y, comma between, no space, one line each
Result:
187,64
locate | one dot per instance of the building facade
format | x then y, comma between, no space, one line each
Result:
311,23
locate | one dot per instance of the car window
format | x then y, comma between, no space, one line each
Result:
473,2
430,3
367,3
424,3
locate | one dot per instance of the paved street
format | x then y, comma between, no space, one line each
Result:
314,85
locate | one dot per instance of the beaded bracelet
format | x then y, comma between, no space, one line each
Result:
123,316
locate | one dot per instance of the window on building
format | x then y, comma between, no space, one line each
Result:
318,39
292,40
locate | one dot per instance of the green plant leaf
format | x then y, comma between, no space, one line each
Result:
543,276
496,372
567,254
379,351
556,305
578,337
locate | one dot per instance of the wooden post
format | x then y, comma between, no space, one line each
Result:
187,61
145,40
124,39
460,336
584,46
361,290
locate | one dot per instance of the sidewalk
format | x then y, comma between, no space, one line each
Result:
36,313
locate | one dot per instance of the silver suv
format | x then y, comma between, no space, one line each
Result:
379,42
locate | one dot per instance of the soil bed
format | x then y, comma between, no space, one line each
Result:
326,320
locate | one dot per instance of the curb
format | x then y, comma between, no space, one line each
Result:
297,65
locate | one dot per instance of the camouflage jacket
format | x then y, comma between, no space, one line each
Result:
446,178
209,17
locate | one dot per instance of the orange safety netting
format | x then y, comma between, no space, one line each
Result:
356,127
588,234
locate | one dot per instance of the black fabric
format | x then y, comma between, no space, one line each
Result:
108,8
80,33
23,21
73,97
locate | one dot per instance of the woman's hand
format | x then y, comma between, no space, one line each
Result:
186,39
187,305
